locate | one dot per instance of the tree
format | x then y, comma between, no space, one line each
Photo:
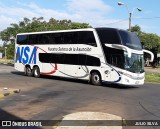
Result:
136,28
152,43
10,51
1,49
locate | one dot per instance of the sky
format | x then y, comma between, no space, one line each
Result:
98,13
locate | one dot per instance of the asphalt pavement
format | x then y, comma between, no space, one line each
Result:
50,98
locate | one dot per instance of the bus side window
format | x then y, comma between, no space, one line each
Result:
58,38
33,39
108,36
58,58
87,37
93,61
88,60
71,59
117,60
22,39
41,39
82,59
91,39
51,38
70,37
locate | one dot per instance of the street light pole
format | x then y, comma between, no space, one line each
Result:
130,20
130,13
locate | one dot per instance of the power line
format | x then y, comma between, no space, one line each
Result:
132,18
116,22
146,18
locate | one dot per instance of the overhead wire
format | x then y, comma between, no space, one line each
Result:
116,22
123,20
146,18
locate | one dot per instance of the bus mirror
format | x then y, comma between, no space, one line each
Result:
149,52
124,48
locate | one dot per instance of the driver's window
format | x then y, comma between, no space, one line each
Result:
117,60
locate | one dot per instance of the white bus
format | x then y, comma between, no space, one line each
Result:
99,55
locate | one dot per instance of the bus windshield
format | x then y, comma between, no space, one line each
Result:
134,64
130,39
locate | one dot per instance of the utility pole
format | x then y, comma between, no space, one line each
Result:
130,13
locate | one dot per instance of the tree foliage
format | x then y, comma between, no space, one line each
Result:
10,51
36,25
136,29
1,49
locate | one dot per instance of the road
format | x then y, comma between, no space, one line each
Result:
49,98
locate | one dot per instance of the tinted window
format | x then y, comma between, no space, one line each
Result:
51,58
130,40
51,38
82,37
87,37
117,60
82,59
33,39
45,38
70,38
108,36
72,59
114,56
22,39
92,61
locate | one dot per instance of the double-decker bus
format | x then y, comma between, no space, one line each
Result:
99,55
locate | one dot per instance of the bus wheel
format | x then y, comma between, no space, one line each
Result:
28,71
96,79
36,72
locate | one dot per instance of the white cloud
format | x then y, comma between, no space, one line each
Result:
5,21
16,12
88,10
150,29
92,12
88,5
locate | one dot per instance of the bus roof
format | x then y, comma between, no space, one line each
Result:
56,31
71,30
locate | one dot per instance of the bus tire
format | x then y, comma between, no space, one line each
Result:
96,79
36,72
28,71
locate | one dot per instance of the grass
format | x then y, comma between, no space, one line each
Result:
3,61
152,77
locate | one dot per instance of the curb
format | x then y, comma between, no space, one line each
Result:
10,93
